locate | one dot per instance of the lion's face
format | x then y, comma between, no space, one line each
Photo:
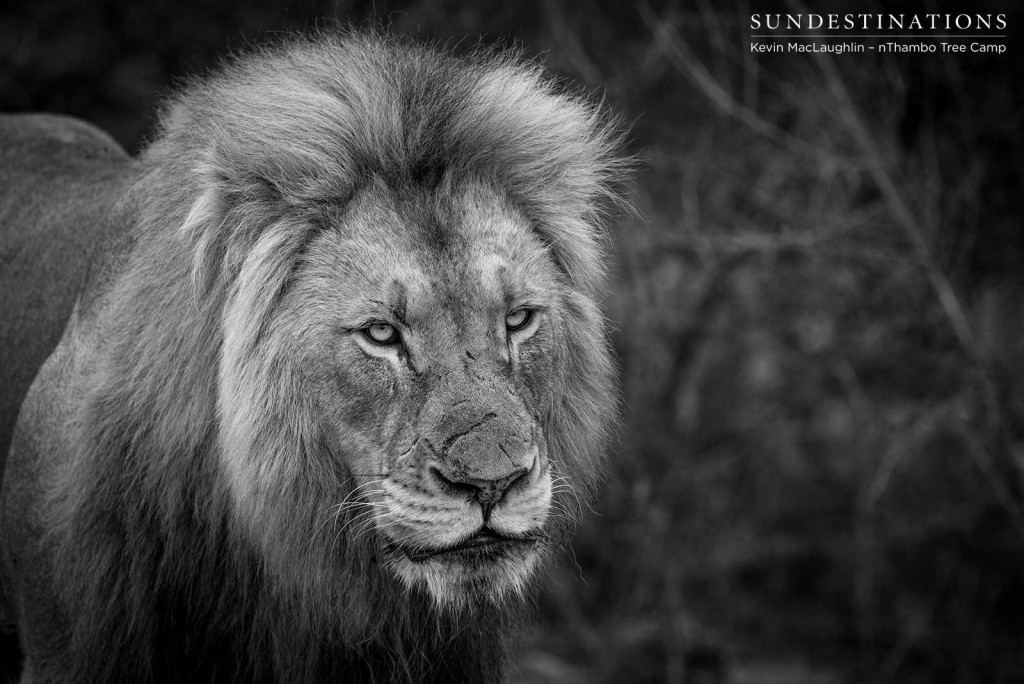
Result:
423,335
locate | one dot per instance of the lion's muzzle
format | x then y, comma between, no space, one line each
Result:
485,481
484,454
464,508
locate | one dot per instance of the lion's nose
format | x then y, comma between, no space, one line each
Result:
487,491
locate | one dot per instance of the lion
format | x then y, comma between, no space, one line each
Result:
334,380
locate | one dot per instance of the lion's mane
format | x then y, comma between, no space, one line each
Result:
166,560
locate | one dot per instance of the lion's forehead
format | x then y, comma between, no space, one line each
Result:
468,258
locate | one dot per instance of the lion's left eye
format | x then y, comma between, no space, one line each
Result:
518,319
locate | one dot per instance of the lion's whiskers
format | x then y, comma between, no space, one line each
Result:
362,521
335,511
561,483
563,508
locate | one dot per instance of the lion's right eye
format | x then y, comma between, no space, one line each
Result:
382,334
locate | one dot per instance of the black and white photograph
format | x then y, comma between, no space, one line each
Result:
541,342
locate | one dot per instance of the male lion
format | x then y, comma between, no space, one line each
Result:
335,378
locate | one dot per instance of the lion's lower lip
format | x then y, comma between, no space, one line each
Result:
482,543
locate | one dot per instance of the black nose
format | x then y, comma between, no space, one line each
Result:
488,492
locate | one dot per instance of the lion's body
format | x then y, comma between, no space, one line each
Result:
334,377
59,177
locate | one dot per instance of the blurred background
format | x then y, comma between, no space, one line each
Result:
817,307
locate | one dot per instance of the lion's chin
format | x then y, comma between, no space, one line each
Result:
484,567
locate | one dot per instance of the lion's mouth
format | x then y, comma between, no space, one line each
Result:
484,544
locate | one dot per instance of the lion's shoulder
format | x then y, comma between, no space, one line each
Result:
60,178
32,137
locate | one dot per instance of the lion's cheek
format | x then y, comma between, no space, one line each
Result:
363,391
527,510
412,518
537,367
363,401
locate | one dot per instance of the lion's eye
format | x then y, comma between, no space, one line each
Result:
518,319
382,333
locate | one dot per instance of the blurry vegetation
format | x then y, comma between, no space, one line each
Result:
818,317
